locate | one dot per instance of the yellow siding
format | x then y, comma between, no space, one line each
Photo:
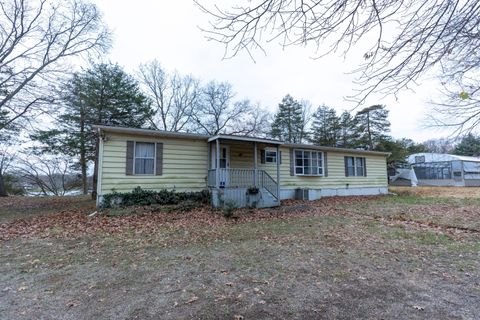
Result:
241,156
185,163
376,173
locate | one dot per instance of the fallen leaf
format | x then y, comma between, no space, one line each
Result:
193,299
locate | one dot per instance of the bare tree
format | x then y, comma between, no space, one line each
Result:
458,108
174,96
254,121
218,113
215,111
404,39
440,145
51,175
37,38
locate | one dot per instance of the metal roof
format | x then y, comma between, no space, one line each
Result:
439,157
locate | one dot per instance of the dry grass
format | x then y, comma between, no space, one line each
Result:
402,257
443,192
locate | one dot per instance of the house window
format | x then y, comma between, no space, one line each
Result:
144,158
308,163
270,156
355,166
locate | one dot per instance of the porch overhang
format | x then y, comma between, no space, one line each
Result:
245,139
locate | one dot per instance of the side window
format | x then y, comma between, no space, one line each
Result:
350,166
359,166
144,158
355,166
270,156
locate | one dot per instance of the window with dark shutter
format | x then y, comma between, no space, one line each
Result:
355,166
144,158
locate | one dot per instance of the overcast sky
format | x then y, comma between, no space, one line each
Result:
169,32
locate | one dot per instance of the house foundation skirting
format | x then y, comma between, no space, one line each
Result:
240,198
314,194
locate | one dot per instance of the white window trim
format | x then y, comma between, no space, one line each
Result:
135,158
274,159
309,174
355,166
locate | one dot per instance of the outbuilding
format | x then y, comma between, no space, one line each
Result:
437,169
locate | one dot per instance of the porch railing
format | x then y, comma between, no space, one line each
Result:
267,182
242,178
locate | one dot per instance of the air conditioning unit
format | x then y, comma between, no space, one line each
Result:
302,194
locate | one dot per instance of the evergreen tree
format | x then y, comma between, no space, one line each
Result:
468,146
372,125
348,135
326,127
289,122
102,95
400,149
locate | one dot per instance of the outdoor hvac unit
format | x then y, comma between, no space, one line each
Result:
302,194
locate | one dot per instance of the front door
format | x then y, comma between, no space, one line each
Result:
224,157
223,165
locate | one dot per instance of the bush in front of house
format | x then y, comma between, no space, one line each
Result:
141,197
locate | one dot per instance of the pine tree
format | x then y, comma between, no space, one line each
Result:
372,125
289,122
102,95
468,146
325,127
348,131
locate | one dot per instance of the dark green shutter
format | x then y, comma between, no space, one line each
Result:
159,160
292,163
129,159
325,165
262,156
364,167
345,160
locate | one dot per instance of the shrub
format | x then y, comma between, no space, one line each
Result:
229,209
142,197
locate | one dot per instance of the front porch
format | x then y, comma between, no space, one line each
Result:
244,172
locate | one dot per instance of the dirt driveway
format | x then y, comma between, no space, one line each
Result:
411,256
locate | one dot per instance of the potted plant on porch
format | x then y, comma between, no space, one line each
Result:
253,195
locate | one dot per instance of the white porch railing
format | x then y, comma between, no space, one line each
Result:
242,178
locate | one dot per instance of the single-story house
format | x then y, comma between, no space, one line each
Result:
245,171
438,169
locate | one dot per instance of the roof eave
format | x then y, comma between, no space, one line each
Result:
245,139
150,132
334,149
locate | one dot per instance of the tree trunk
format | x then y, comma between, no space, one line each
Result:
369,131
83,151
83,165
3,190
95,169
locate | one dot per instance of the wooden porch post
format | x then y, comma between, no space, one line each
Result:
217,163
255,164
278,173
209,155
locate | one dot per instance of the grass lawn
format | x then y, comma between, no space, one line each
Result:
415,255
